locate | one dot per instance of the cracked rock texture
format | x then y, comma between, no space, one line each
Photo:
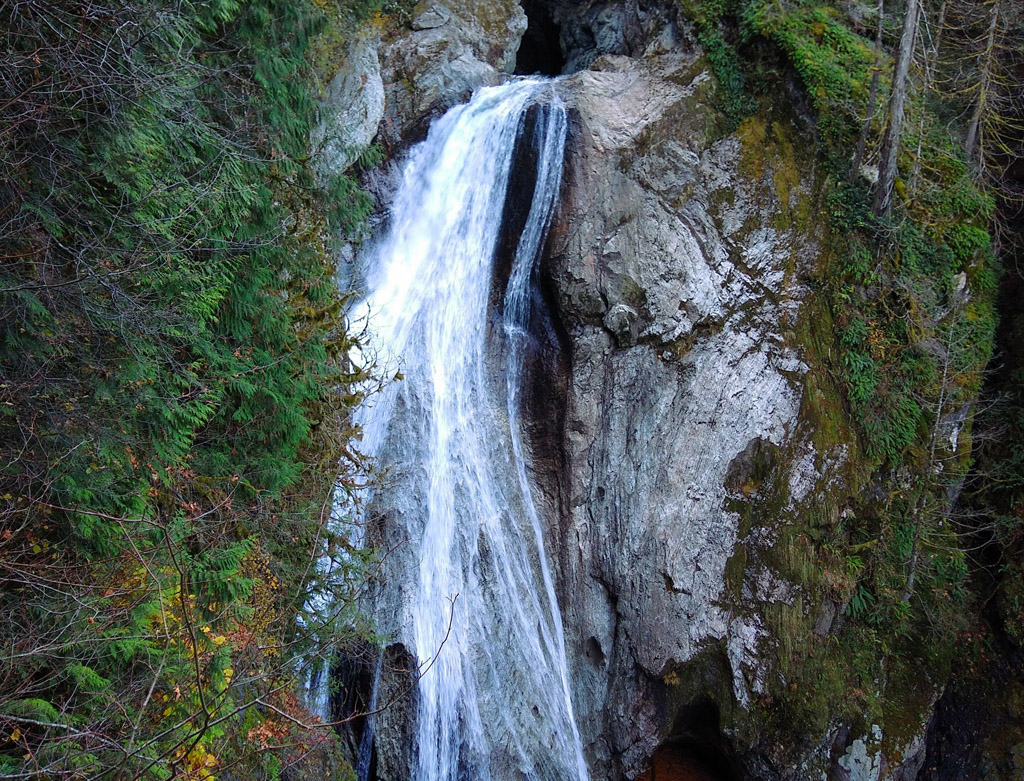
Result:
394,87
352,108
452,48
681,269
676,291
588,29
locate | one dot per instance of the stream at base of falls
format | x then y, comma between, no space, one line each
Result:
476,605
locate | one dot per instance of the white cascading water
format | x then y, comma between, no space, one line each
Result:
493,700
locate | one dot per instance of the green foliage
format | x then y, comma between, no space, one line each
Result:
86,678
894,294
33,708
175,382
711,19
996,496
832,61
912,346
910,307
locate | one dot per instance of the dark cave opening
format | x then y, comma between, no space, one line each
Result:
540,50
696,750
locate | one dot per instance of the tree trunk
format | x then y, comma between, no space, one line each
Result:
897,103
931,62
944,387
858,158
973,143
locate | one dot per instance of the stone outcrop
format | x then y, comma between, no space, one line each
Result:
701,443
702,446
452,48
394,85
352,108
679,292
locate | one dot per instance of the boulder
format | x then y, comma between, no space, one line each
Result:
453,47
351,109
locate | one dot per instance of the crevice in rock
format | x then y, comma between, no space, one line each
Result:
540,50
394,744
670,585
546,372
749,470
522,179
594,652
565,36
352,674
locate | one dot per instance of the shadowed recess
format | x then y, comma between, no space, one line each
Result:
540,50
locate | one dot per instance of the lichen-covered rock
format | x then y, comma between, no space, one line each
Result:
351,109
678,290
862,761
396,86
454,47
703,449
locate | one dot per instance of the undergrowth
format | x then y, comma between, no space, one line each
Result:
175,391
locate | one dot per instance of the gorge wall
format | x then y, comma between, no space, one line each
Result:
692,455
681,291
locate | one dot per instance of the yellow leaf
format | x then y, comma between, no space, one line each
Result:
16,735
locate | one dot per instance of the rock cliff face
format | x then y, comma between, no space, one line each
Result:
683,434
702,446
452,49
396,86
677,289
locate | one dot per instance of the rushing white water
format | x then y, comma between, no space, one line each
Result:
494,699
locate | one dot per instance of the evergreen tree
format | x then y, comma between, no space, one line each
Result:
174,384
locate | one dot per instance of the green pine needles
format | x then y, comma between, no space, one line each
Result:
174,385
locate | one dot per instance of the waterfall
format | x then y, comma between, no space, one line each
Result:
478,607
